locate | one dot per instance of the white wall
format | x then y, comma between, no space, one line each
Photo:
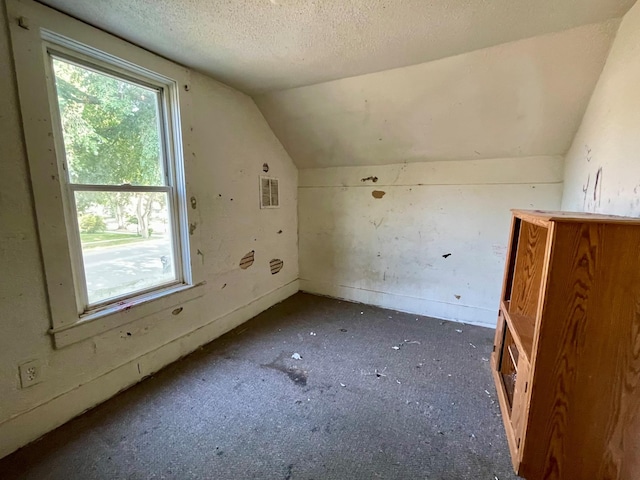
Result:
231,141
603,165
389,251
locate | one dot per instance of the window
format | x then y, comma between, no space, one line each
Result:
105,124
120,195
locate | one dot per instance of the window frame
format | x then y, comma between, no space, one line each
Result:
35,29
64,49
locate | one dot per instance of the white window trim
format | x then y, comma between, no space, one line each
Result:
68,50
34,29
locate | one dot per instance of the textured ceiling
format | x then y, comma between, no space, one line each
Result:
520,99
264,45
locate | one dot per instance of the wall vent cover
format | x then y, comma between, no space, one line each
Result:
269,193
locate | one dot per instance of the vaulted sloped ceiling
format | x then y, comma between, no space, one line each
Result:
455,79
520,99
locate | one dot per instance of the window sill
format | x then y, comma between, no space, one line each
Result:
95,323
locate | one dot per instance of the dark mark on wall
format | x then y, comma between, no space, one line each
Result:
223,286
279,232
247,260
276,265
265,167
588,153
201,256
458,296
139,372
446,255
192,228
597,187
378,194
585,189
370,178
194,202
177,311
377,224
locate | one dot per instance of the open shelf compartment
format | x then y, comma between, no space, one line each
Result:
520,302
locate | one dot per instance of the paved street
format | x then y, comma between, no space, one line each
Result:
112,271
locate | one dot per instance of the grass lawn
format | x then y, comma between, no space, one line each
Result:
107,239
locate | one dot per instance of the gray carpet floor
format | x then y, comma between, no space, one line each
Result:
375,394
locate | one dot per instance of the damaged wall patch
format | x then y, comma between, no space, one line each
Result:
276,265
247,260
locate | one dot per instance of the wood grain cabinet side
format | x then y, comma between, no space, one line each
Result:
566,358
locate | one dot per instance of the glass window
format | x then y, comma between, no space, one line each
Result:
120,204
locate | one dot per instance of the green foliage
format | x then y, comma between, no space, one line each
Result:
110,128
91,223
111,137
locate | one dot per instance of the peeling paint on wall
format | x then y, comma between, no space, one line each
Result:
177,311
378,194
247,260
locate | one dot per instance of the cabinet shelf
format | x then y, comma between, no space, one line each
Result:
522,328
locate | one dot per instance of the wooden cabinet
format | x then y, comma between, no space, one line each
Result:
566,356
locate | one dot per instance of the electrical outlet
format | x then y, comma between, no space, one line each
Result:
30,373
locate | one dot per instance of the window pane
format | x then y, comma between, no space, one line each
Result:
110,127
126,242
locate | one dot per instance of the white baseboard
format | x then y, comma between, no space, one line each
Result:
32,424
483,317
